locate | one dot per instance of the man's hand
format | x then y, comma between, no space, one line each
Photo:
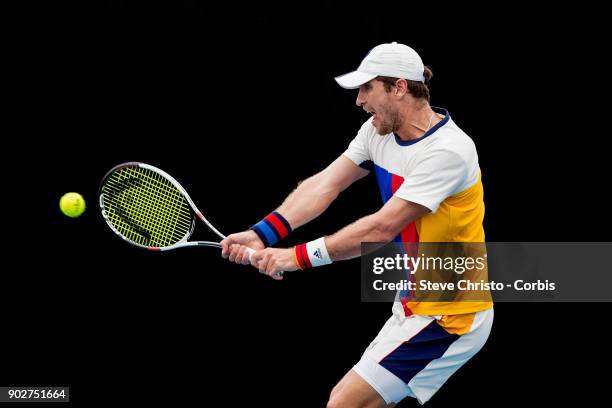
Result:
234,246
271,261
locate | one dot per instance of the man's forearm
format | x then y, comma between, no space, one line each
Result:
381,226
346,243
309,200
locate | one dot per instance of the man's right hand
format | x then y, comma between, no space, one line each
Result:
234,246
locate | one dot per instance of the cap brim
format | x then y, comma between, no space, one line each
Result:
354,79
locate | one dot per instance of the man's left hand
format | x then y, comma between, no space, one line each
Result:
272,261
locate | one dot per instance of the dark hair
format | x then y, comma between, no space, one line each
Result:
417,89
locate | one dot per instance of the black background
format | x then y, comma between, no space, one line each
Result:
238,103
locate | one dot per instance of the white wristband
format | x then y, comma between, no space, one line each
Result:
317,252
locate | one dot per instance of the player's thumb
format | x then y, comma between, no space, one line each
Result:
225,243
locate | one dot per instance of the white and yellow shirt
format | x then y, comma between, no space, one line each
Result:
439,171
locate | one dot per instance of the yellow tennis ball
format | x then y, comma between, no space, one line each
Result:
72,204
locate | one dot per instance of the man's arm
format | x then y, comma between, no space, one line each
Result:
309,200
312,196
381,226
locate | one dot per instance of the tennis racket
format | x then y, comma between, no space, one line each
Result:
149,209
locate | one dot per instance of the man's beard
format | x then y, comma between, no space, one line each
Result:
390,120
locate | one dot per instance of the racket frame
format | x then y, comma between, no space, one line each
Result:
196,212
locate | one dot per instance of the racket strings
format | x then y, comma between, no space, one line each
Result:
165,201
146,208
152,208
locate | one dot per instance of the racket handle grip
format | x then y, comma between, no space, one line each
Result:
252,251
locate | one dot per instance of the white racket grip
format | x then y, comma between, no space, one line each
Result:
252,251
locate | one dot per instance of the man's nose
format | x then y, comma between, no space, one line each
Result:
360,99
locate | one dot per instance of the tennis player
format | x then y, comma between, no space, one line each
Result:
428,174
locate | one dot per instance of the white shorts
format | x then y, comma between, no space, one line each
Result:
414,356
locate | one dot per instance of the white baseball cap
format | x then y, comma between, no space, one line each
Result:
391,60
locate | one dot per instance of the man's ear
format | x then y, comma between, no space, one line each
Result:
401,87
